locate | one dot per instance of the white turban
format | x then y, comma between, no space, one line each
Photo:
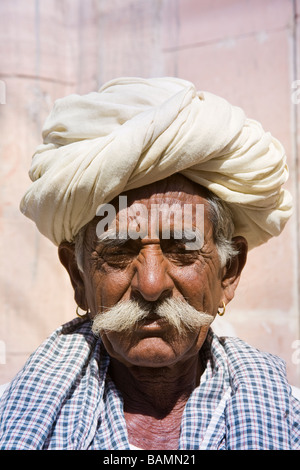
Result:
137,131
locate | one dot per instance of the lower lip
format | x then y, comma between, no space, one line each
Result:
153,326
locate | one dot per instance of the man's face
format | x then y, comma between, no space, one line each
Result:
153,268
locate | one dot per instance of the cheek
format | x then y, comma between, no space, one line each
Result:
201,337
200,286
105,289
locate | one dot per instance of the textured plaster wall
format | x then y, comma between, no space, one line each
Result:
246,51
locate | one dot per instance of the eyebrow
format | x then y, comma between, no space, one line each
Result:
106,239
110,239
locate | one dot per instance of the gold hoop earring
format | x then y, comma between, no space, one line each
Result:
222,312
80,315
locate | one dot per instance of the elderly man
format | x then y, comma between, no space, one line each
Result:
153,193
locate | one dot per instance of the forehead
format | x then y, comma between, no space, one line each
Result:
161,209
176,188
172,196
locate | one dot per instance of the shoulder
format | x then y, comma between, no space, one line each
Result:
261,373
244,357
260,388
3,387
296,392
65,349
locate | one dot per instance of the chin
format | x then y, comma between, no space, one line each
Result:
153,352
153,361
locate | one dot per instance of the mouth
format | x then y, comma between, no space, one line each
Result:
152,323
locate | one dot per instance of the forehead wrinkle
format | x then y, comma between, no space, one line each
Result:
176,189
169,197
177,184
111,242
92,239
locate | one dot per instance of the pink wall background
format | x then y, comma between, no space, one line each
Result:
247,52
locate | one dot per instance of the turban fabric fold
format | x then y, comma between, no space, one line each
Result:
137,131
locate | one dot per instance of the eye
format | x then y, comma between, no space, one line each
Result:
179,253
117,256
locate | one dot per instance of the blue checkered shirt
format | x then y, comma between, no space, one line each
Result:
63,398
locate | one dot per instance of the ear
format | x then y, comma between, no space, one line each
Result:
66,253
233,269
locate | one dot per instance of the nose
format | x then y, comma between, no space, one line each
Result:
151,280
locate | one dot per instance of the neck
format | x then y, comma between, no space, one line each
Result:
153,391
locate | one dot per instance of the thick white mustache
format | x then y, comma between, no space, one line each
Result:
126,315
